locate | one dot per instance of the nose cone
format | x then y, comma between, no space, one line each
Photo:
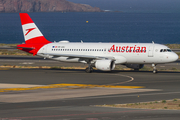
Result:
174,57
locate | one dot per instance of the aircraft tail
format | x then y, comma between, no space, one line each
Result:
32,34
34,39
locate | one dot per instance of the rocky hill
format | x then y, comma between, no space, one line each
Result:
44,6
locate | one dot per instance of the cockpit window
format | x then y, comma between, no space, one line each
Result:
169,50
165,50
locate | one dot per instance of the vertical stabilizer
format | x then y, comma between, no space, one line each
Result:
32,34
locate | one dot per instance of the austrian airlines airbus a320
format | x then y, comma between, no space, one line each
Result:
103,56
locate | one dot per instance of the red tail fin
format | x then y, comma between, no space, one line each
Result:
31,32
34,39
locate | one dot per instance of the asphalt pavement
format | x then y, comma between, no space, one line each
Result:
80,103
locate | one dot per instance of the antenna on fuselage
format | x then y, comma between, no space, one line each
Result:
81,41
152,42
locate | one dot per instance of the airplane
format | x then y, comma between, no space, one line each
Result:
102,56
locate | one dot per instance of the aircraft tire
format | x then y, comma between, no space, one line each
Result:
154,71
88,70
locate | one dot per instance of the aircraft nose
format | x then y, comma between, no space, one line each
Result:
175,57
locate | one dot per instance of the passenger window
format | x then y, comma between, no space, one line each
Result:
161,50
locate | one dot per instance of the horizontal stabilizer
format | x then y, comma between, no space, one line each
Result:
31,48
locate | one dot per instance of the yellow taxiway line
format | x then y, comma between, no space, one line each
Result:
104,86
63,85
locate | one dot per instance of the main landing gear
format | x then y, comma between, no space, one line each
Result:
89,69
154,68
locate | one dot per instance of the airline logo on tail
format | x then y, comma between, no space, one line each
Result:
29,30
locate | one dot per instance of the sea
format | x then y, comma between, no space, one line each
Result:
163,28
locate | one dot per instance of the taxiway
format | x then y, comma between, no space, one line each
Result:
74,103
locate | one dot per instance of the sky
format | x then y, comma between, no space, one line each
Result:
159,6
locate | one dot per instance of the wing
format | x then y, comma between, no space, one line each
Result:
91,57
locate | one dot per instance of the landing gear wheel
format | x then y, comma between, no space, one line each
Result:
154,71
89,70
154,68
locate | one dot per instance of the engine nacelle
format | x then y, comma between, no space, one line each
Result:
135,66
105,65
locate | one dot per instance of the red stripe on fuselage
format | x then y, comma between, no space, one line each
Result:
25,19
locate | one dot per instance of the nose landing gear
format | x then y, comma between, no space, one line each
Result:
154,68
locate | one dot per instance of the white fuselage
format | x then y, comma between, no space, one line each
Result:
103,56
122,53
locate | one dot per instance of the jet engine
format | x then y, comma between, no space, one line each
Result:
135,66
105,65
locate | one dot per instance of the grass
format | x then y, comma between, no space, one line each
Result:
38,67
163,101
13,52
163,104
178,53
9,45
146,68
173,46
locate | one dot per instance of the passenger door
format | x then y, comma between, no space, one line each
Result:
151,51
